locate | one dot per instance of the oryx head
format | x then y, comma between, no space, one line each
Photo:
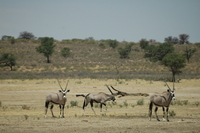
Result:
64,92
172,92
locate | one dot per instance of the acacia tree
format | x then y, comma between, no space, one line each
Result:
8,59
188,53
46,47
171,39
26,35
174,62
183,38
157,53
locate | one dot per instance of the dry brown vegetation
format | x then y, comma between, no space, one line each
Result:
22,107
88,60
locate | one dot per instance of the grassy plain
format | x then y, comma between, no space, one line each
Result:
22,107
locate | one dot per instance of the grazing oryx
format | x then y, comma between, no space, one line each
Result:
161,100
57,98
100,97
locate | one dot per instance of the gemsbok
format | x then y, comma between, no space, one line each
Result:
100,97
57,98
161,100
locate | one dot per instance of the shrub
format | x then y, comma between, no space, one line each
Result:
172,113
65,52
25,107
73,103
124,52
125,103
140,102
101,45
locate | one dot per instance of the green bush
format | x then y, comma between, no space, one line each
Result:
172,113
140,102
124,52
73,103
65,52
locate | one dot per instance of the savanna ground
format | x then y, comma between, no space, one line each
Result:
22,107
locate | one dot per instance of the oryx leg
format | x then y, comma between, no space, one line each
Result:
51,108
156,109
61,111
46,108
167,113
163,113
91,103
150,110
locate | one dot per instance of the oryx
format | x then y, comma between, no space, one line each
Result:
57,98
100,97
161,100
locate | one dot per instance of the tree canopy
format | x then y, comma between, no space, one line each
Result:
157,53
174,62
46,47
26,35
8,59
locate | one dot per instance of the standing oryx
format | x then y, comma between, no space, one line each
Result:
57,98
161,100
100,97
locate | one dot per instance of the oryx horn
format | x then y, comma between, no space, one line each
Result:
167,85
59,85
66,85
109,89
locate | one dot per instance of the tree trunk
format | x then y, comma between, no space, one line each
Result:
48,60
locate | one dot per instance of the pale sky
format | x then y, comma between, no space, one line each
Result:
123,20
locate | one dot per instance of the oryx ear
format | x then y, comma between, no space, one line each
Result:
59,90
68,90
168,90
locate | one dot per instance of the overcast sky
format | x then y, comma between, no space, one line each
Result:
123,20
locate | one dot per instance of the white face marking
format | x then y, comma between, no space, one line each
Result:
173,95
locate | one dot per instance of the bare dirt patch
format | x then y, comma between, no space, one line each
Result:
22,107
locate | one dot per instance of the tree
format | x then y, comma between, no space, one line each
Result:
46,47
157,53
113,43
26,35
144,43
124,52
8,59
183,38
174,62
5,37
171,39
65,52
188,53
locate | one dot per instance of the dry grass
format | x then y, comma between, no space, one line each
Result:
22,107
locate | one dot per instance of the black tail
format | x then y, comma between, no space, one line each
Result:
78,95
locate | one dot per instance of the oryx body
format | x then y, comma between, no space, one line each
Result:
161,100
100,97
56,98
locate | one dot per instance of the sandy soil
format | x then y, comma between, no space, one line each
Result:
22,107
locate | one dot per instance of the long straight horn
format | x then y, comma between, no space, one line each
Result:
66,85
167,85
59,85
173,86
109,89
114,88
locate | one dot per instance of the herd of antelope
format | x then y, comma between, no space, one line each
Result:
158,99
